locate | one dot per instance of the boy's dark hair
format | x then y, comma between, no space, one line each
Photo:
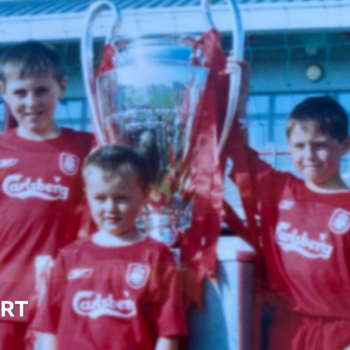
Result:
34,58
119,159
325,112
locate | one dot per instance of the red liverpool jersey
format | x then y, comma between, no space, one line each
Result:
303,240
112,297
41,185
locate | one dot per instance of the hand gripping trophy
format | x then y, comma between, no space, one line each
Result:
157,94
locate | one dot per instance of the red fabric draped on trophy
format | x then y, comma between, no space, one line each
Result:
198,245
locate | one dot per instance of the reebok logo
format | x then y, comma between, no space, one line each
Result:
286,205
94,305
18,187
6,163
290,240
79,273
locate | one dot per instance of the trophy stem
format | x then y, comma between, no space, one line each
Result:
238,53
235,77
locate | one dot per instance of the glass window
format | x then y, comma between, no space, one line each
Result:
2,115
2,112
284,103
344,100
284,162
88,126
70,113
258,133
74,109
258,104
279,132
345,169
69,124
60,112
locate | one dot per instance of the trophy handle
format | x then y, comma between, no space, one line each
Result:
87,56
238,54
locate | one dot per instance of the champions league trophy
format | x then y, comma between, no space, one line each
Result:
146,94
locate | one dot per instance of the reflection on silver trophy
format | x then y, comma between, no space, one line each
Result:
152,108
146,94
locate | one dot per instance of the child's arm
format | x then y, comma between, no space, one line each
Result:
48,341
167,344
48,314
168,308
255,179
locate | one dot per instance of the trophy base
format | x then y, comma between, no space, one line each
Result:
165,224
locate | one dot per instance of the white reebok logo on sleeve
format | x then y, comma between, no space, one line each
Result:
79,273
286,205
6,163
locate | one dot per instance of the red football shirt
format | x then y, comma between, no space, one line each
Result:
112,297
304,239
41,185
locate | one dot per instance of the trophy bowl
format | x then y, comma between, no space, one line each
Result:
146,95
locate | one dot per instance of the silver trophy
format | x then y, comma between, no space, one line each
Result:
147,97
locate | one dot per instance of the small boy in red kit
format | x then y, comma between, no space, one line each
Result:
40,182
303,239
118,289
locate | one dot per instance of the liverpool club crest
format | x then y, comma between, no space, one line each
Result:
137,275
340,221
69,163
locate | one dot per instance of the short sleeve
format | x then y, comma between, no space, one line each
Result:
168,308
49,311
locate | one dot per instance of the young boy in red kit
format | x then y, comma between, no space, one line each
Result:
118,289
40,181
303,239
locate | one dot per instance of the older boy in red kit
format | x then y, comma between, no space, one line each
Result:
40,179
303,239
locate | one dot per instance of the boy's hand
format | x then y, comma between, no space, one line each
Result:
231,67
167,344
48,341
